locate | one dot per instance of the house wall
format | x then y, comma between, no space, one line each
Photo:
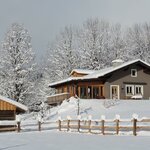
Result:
91,84
74,88
124,75
7,111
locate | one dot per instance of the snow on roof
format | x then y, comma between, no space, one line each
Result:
82,71
99,73
103,72
117,60
65,80
13,102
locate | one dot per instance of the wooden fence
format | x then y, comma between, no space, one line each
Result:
102,126
105,126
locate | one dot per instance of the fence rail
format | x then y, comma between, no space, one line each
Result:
105,126
102,126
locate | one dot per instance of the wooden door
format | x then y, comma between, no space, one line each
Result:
114,92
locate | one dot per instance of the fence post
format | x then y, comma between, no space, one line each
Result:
59,123
103,127
134,126
90,118
103,124
78,125
117,126
135,118
18,126
39,125
90,126
68,123
79,118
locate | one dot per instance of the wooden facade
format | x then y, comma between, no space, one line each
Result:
86,90
7,111
9,108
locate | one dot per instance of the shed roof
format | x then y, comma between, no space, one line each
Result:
99,73
20,106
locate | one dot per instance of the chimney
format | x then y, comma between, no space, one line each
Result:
117,62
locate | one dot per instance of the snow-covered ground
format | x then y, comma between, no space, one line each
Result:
55,140
96,108
47,140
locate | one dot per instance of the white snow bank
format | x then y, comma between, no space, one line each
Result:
96,108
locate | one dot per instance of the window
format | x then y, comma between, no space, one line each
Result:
133,73
134,90
95,92
89,90
83,92
139,89
129,90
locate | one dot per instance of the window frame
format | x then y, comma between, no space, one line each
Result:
83,92
132,72
142,91
132,86
134,89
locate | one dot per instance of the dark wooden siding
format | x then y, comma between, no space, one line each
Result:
7,115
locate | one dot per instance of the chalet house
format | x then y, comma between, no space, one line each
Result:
9,108
123,80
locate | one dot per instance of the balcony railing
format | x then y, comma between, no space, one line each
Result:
57,98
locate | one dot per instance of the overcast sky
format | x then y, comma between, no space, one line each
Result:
45,18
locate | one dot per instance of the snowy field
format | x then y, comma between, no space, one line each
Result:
96,108
47,140
56,140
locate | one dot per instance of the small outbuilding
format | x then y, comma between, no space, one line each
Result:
9,108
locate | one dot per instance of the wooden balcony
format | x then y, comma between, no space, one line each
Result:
57,98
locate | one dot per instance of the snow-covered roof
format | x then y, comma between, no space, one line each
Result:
99,73
103,72
17,104
118,61
64,80
82,71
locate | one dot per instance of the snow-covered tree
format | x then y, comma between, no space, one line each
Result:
63,55
138,42
117,42
95,43
17,65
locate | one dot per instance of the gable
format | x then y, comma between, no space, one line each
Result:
12,105
143,74
6,106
